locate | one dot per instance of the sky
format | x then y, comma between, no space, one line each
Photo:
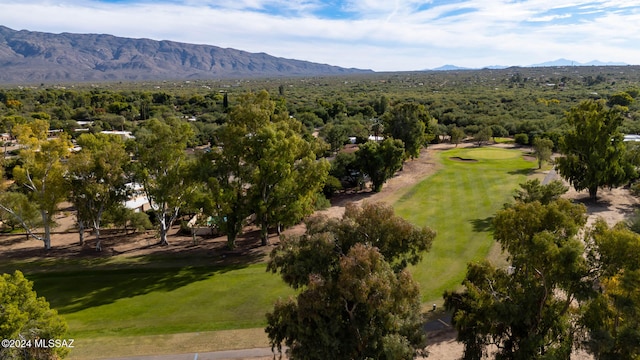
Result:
382,35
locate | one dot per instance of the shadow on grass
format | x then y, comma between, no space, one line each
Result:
69,292
482,225
524,172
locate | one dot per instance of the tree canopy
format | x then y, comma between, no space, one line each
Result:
593,148
24,315
380,161
162,168
356,299
408,122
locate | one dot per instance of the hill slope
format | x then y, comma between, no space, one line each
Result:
27,56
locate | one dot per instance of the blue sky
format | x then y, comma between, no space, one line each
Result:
383,35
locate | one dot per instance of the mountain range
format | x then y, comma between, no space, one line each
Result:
38,57
558,62
32,57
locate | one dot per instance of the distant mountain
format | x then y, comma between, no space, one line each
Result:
450,68
565,62
559,62
27,56
495,67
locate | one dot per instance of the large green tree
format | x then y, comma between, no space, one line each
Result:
226,176
163,169
97,180
380,161
230,169
593,149
612,318
287,175
526,311
41,174
356,299
408,122
25,316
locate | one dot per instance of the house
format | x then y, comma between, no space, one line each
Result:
138,201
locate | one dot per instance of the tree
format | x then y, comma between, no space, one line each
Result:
612,318
526,310
163,169
41,174
22,211
542,149
593,149
621,98
335,135
482,136
97,180
287,176
356,299
229,170
498,131
227,176
380,161
521,139
457,135
28,317
407,122
533,190
345,168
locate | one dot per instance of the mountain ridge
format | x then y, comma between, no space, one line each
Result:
554,63
29,56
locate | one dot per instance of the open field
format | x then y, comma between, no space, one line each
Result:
119,305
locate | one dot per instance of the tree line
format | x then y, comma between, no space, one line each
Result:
261,162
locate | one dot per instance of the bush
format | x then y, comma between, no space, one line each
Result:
321,202
522,139
331,186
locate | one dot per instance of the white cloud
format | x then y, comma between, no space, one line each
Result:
383,35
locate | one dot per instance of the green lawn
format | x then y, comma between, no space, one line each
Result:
125,304
167,300
459,202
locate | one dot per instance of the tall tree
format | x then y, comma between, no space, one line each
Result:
380,161
97,179
356,299
162,168
593,149
227,176
229,170
408,122
263,166
41,174
542,149
525,310
283,161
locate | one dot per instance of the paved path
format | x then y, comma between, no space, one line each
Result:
551,175
443,322
215,355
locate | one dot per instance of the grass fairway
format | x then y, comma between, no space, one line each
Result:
154,301
459,202
160,307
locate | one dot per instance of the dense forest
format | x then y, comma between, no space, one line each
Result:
530,101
